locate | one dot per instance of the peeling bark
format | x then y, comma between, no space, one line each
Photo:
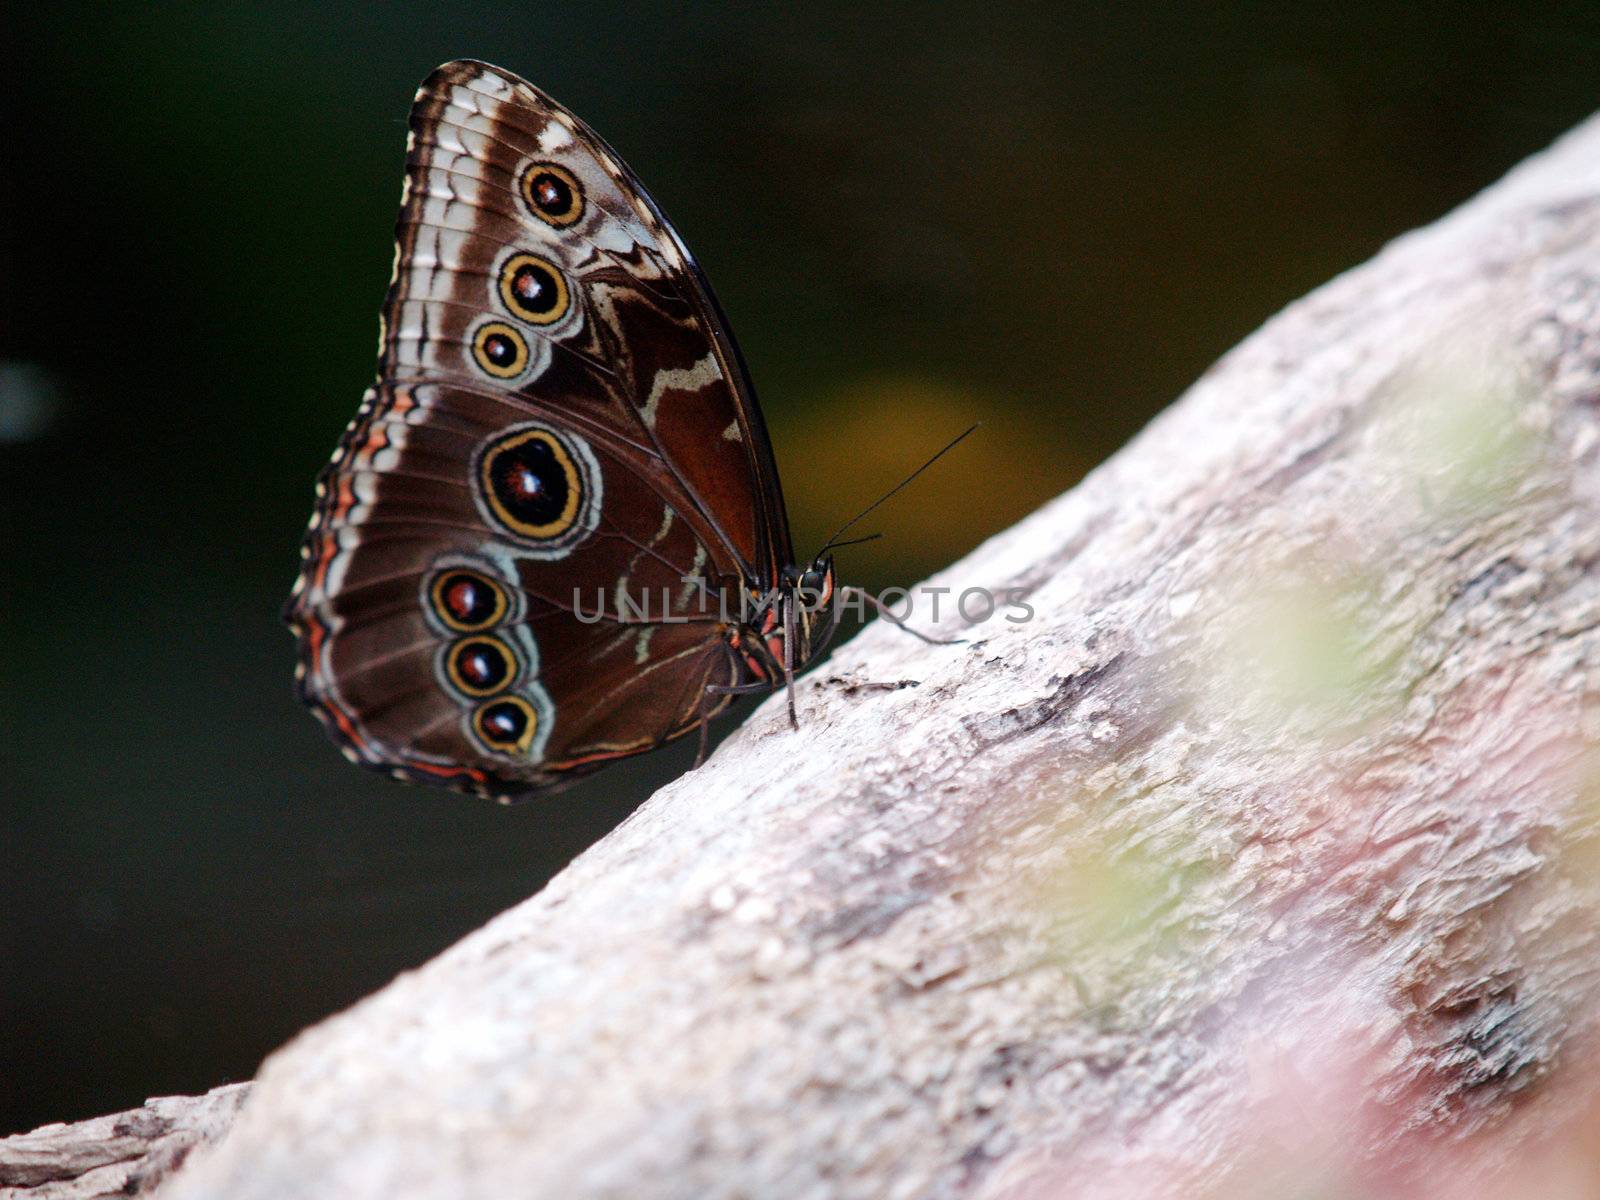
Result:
1268,853
124,1154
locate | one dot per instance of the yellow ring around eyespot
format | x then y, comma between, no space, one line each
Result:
508,294
436,598
520,746
569,511
452,666
559,219
519,360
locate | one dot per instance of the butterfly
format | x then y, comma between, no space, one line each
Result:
553,536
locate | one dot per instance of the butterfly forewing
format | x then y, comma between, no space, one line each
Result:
519,552
643,322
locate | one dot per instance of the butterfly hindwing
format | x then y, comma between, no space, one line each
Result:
561,430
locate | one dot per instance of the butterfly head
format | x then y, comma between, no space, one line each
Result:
812,589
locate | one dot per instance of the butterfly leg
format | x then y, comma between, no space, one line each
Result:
789,634
736,689
710,690
733,687
883,611
705,732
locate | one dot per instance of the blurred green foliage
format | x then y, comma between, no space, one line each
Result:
915,216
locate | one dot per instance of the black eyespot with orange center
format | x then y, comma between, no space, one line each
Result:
533,289
507,724
500,350
531,484
481,666
467,601
552,193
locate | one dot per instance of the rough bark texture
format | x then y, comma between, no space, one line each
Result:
125,1154
1266,855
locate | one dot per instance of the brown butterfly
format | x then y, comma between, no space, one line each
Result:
554,535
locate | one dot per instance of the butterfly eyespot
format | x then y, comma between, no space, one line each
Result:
506,725
533,289
531,484
500,350
480,666
467,601
552,193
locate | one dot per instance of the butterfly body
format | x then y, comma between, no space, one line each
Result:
554,534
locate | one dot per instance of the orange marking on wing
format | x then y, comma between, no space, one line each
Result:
314,637
377,439
326,548
601,756
327,703
446,772
345,722
345,500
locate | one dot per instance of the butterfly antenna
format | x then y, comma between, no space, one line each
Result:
871,537
834,542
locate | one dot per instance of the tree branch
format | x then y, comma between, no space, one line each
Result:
125,1154
1267,851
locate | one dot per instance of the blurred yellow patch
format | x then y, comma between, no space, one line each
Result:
856,441
1116,911
1578,843
1301,644
1462,427
1316,645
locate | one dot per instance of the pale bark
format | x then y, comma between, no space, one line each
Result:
124,1154
1268,854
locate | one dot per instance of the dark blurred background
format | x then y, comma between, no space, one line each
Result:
914,218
